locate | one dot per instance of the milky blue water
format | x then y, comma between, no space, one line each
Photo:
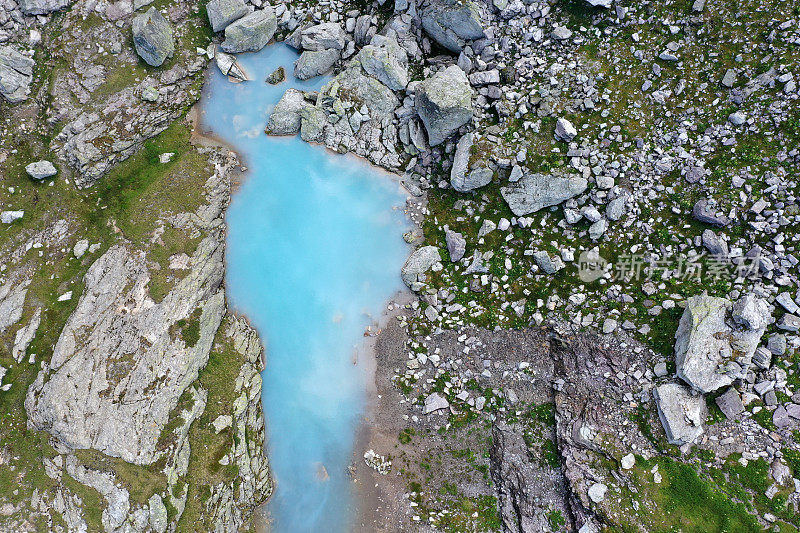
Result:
314,253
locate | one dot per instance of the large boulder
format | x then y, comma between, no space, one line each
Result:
453,22
322,37
312,63
229,66
223,12
419,262
385,60
444,103
285,117
537,191
152,37
682,412
715,341
41,7
40,170
467,175
252,32
379,99
16,74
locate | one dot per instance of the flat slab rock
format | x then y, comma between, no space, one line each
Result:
534,192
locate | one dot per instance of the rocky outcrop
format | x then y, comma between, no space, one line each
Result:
153,38
251,32
716,340
537,191
386,61
452,23
223,12
468,174
12,298
444,103
117,370
313,63
16,74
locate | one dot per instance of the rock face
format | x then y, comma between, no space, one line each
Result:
715,342
251,32
313,63
153,38
16,74
386,60
285,117
453,22
42,7
444,103
40,170
419,262
682,413
223,12
537,191
116,370
463,176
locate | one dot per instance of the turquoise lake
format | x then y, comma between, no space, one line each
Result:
314,254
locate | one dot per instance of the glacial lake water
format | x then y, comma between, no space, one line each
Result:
314,253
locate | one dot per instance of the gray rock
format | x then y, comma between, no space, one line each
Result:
549,265
435,402
776,344
40,170
737,119
158,514
453,22
682,412
537,191
703,213
380,100
751,312
729,79
710,351
386,61
313,63
418,263
223,12
250,33
789,322
444,103
565,131
313,120
80,248
597,492
285,117
616,208
152,37
463,177
456,245
560,33
323,37
730,403
660,370
599,3
228,65
12,298
42,7
716,246
24,336
16,74
485,77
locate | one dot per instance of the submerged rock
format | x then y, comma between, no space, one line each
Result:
453,22
250,33
444,103
222,12
537,191
152,37
465,177
277,76
715,342
681,411
16,74
314,63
